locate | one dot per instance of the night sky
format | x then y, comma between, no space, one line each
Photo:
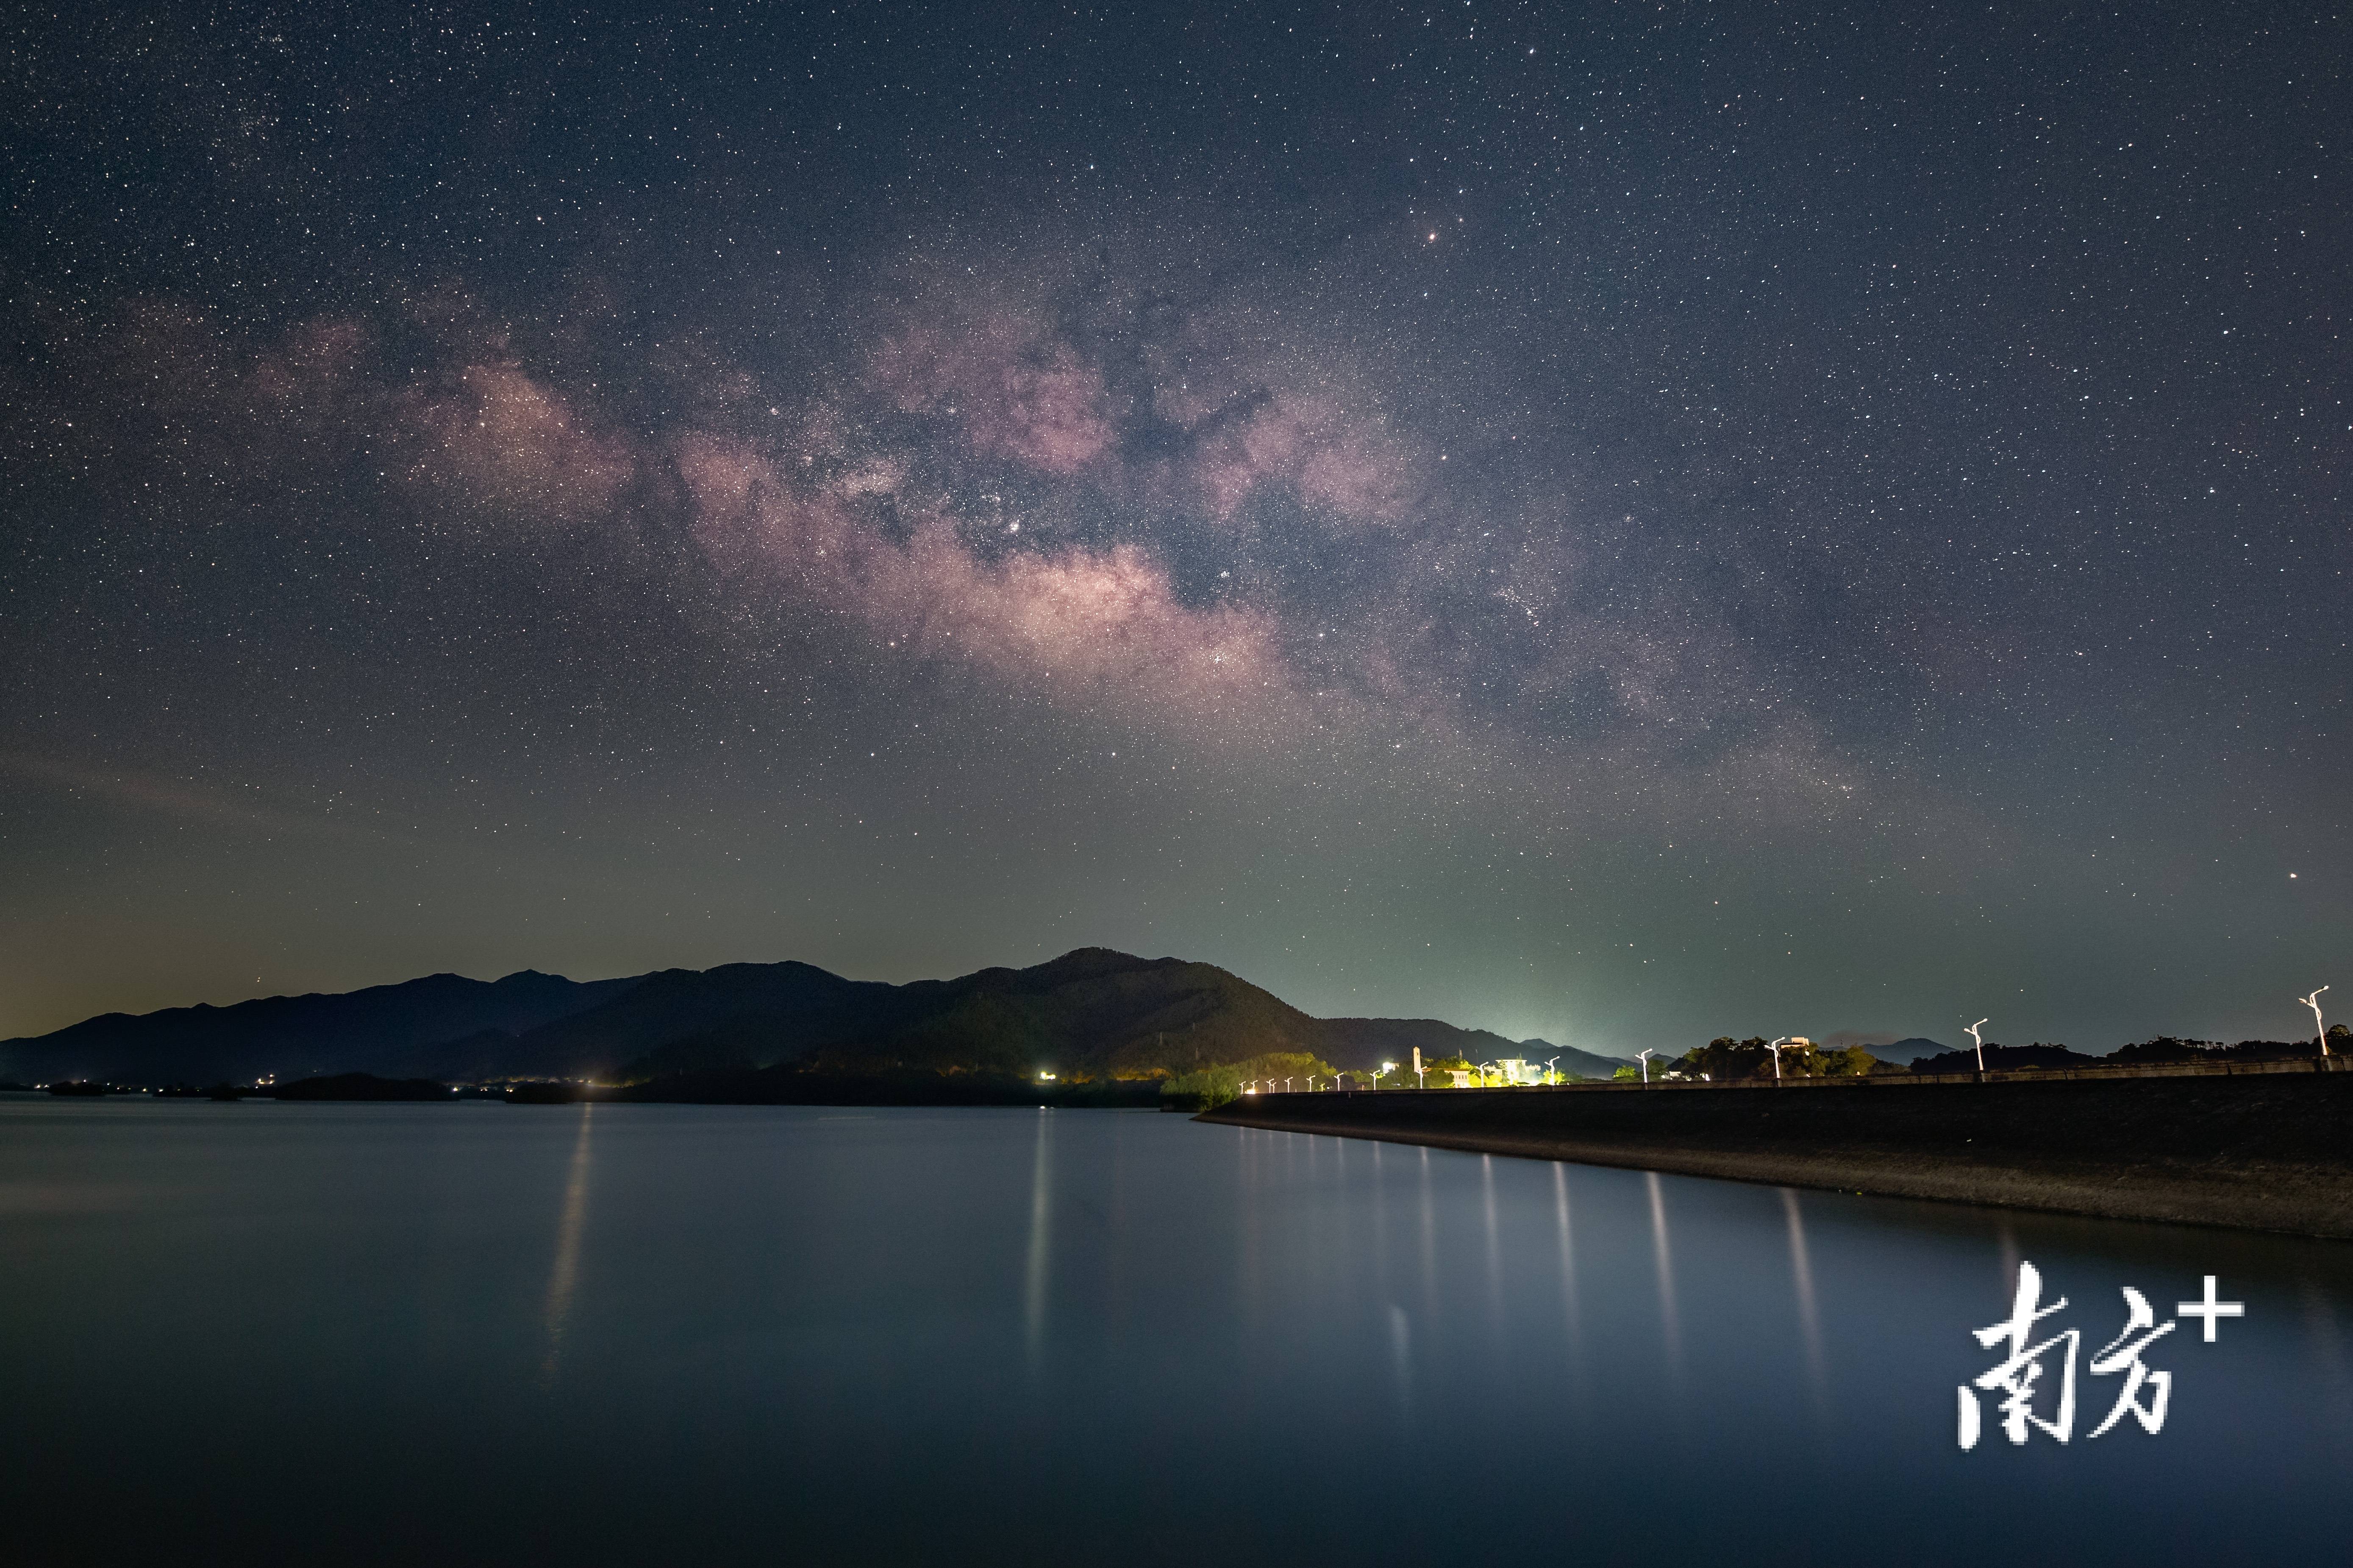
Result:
1627,523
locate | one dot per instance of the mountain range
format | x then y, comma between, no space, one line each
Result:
1091,1013
1886,1047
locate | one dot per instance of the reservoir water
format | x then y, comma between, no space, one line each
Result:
490,1333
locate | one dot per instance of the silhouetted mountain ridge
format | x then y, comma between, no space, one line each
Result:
378,1029
1089,1013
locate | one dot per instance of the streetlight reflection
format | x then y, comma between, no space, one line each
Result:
1801,1269
1668,1321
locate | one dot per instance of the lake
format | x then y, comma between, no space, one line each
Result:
490,1333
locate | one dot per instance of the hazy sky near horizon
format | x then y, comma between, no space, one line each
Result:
1625,523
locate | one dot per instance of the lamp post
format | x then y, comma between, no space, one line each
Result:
1644,1056
2313,1002
1484,1069
1776,1048
1553,1072
1385,1066
1286,1086
1979,1039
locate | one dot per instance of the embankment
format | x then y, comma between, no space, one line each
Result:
2263,1150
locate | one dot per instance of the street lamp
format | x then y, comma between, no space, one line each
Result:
1551,1072
1385,1066
1980,1042
2313,1002
1286,1086
1776,1048
1484,1069
1644,1056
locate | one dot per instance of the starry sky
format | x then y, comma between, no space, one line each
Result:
1625,522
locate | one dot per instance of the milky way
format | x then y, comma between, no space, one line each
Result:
1629,529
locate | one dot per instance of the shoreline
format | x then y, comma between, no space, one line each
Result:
2271,1151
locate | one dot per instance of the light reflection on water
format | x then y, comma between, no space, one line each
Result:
566,1274
1802,1273
1046,1336
1668,1324
1041,1240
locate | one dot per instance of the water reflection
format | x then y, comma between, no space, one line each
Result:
1429,1241
1567,1266
1494,1247
822,1329
1802,1270
1669,1324
1401,1366
1041,1238
564,1277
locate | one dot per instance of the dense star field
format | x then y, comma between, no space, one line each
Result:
1629,525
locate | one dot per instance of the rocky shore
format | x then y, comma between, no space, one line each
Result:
2261,1150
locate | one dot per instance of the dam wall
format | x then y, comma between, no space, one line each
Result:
2264,1146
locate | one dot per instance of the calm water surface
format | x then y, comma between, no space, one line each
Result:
653,1334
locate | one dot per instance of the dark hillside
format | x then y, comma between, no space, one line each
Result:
2004,1058
738,1014
1092,1012
373,1029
